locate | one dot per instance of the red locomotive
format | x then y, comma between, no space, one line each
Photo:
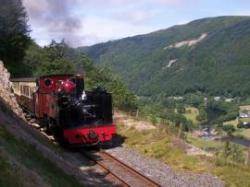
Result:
74,116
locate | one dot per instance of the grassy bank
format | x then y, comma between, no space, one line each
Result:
9,176
28,157
207,145
163,145
159,144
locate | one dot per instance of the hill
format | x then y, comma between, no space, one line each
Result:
210,55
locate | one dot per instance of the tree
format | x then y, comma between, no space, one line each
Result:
33,59
237,154
54,60
102,76
229,129
14,35
227,150
202,117
233,152
194,99
181,108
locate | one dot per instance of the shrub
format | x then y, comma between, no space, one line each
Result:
229,129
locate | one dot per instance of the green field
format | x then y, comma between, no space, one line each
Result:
243,133
240,132
244,119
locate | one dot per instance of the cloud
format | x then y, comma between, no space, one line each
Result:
55,17
115,3
112,29
62,19
138,16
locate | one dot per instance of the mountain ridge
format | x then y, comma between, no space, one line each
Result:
208,66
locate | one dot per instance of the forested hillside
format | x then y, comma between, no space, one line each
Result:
209,55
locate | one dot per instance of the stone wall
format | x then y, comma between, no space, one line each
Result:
6,92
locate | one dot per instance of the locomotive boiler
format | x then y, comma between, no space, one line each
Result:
66,110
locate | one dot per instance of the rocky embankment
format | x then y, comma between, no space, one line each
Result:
5,91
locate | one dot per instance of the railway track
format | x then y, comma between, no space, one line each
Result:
119,172
127,175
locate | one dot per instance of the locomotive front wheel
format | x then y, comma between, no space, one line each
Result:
50,125
63,142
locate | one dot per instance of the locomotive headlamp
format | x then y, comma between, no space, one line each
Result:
68,86
92,135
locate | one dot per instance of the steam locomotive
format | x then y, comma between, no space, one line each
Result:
65,109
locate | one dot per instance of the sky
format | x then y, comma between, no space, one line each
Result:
87,22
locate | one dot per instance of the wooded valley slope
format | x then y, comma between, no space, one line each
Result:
211,55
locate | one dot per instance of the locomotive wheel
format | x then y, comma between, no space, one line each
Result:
60,139
43,122
63,142
50,125
58,134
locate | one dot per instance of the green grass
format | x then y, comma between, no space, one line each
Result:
8,176
240,132
245,119
207,145
37,136
231,122
33,160
234,175
191,114
160,144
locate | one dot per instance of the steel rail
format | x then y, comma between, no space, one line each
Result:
146,181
